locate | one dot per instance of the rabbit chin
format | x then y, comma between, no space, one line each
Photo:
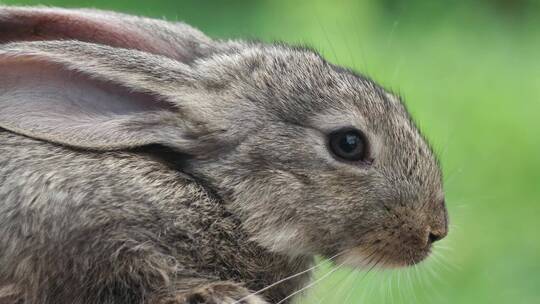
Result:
359,257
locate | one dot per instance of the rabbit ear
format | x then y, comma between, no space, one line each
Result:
173,40
96,97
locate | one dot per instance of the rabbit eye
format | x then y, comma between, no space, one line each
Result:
348,144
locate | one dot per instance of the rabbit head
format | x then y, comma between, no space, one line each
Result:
326,160
312,157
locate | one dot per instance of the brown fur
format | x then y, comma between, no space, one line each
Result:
152,164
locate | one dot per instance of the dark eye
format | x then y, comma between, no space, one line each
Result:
348,144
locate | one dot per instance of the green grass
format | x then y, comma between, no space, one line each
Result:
471,77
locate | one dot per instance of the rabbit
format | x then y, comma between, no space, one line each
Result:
144,162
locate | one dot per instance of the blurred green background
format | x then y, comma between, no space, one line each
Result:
470,73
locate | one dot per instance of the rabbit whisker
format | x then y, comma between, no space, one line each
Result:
291,277
356,281
347,279
370,257
312,283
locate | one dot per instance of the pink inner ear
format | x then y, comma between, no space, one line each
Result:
48,24
45,101
42,87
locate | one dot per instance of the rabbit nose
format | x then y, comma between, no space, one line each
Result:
439,228
438,233
436,236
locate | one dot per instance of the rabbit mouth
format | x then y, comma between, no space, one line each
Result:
384,255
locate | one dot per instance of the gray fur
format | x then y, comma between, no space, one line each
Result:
209,178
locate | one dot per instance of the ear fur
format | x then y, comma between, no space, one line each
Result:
97,97
174,40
